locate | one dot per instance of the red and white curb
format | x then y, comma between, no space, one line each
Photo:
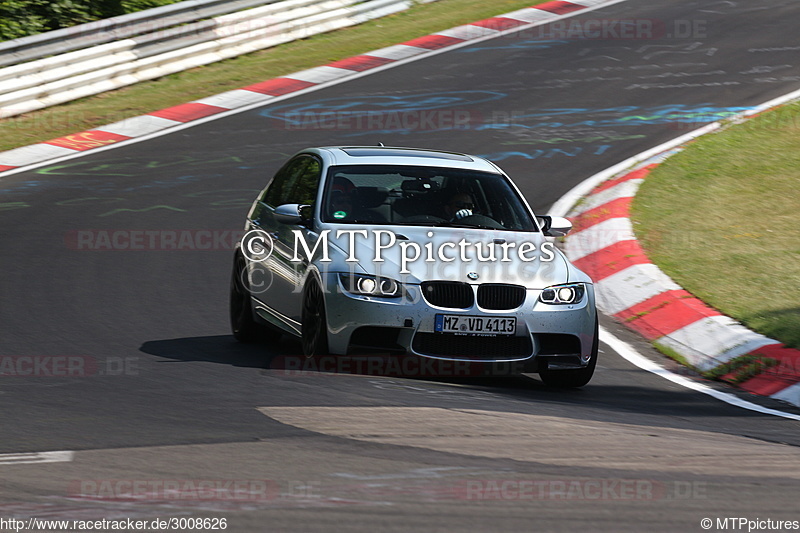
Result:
262,93
636,292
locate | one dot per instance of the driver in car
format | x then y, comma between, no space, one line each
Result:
460,205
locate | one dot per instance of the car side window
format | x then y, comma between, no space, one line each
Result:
305,190
285,181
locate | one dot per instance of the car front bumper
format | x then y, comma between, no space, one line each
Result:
406,325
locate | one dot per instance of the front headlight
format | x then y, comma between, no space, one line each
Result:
370,285
569,293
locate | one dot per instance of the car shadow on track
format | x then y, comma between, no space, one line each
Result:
285,359
222,349
613,390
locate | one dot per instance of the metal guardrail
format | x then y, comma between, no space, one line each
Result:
116,28
63,65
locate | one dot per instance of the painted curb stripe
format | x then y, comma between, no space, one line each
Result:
664,313
772,380
233,99
636,174
278,86
468,32
187,112
529,15
86,140
713,340
136,126
321,74
433,42
398,52
600,236
612,259
33,153
625,189
559,7
360,63
499,23
631,286
613,209
789,394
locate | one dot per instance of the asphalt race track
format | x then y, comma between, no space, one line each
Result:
165,393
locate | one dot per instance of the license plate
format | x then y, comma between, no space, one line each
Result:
476,325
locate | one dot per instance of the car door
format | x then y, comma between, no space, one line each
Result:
296,183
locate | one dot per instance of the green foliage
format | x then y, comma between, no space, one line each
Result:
65,13
19,18
742,368
131,6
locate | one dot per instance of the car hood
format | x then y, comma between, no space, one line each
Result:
535,274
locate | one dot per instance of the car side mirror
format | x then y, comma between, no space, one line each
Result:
293,214
554,226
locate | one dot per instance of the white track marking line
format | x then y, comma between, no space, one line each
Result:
35,457
627,352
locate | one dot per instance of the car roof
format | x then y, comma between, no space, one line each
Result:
394,155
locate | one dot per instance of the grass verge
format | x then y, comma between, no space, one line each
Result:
722,218
94,111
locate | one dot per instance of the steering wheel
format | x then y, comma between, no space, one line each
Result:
480,220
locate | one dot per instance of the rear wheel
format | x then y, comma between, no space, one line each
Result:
570,379
315,326
243,325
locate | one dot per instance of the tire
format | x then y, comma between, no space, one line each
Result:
243,325
571,379
314,328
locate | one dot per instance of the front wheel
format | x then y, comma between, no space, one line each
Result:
314,328
570,379
243,325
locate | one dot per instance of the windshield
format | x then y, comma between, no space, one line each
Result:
422,196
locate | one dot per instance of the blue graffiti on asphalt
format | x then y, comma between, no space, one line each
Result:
123,168
215,199
630,116
105,176
549,153
581,117
527,45
297,113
